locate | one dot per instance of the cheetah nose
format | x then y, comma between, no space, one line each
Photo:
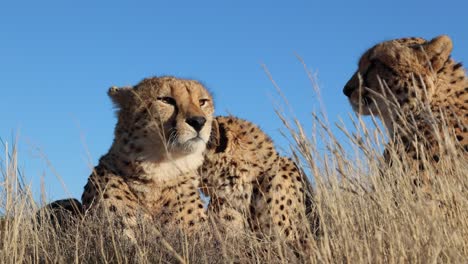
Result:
196,122
348,90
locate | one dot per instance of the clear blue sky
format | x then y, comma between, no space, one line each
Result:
58,58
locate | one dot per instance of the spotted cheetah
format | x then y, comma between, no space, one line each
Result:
416,89
150,170
251,186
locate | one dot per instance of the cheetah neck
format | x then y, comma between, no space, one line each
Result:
450,96
451,85
448,102
171,168
164,171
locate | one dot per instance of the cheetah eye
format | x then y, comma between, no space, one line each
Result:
167,100
203,101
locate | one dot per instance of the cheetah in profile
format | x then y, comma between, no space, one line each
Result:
415,88
251,186
150,171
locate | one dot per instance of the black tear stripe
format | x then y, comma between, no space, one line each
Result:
174,121
366,73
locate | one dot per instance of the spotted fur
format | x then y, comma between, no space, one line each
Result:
252,187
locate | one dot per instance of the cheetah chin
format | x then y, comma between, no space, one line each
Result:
193,145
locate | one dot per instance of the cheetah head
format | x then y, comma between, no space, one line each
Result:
397,74
163,117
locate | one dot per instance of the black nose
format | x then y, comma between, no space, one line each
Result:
196,122
348,90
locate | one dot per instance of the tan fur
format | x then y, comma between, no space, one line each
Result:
251,187
150,169
423,88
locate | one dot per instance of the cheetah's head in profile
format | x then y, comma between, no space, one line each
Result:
396,74
163,117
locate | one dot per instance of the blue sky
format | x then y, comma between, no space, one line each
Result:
58,58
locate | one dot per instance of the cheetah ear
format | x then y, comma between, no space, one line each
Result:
121,96
438,51
213,142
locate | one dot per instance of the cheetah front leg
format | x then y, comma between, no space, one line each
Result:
182,206
230,198
230,219
280,205
110,197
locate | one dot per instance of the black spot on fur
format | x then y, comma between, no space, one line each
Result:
138,149
112,208
228,217
457,66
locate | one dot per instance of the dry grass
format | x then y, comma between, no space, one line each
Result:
369,218
364,217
